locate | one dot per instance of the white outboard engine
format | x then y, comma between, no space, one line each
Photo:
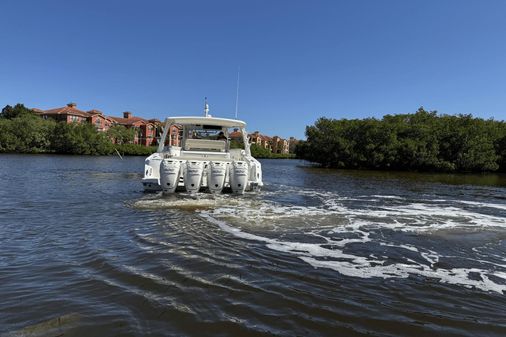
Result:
193,175
169,175
216,173
239,176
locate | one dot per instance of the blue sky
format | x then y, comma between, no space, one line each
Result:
299,60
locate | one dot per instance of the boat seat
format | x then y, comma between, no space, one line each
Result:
205,144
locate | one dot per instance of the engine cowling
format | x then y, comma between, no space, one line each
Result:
238,176
193,176
169,175
216,174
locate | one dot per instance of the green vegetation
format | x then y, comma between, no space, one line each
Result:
261,152
121,135
423,141
21,131
77,139
235,144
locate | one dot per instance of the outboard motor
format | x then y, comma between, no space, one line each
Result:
216,173
169,175
239,176
193,175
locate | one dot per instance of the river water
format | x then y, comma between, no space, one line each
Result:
84,252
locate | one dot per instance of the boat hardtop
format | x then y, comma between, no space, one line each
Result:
209,120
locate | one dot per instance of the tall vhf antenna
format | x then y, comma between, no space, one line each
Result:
206,107
237,93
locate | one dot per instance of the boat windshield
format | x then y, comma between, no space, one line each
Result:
205,138
209,132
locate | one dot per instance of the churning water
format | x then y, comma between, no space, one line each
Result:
317,252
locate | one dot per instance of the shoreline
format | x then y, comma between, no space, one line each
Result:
309,165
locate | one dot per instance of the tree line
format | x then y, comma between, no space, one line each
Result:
260,151
421,141
21,131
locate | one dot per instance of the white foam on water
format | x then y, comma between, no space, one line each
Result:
484,204
186,202
367,267
386,196
358,223
419,216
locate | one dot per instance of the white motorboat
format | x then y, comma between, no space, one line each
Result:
206,154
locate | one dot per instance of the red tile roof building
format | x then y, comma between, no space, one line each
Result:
146,131
260,140
235,135
279,145
292,143
146,134
71,114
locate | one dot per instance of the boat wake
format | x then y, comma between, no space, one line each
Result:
378,236
454,242
186,201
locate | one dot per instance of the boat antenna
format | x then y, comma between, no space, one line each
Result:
237,92
206,107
